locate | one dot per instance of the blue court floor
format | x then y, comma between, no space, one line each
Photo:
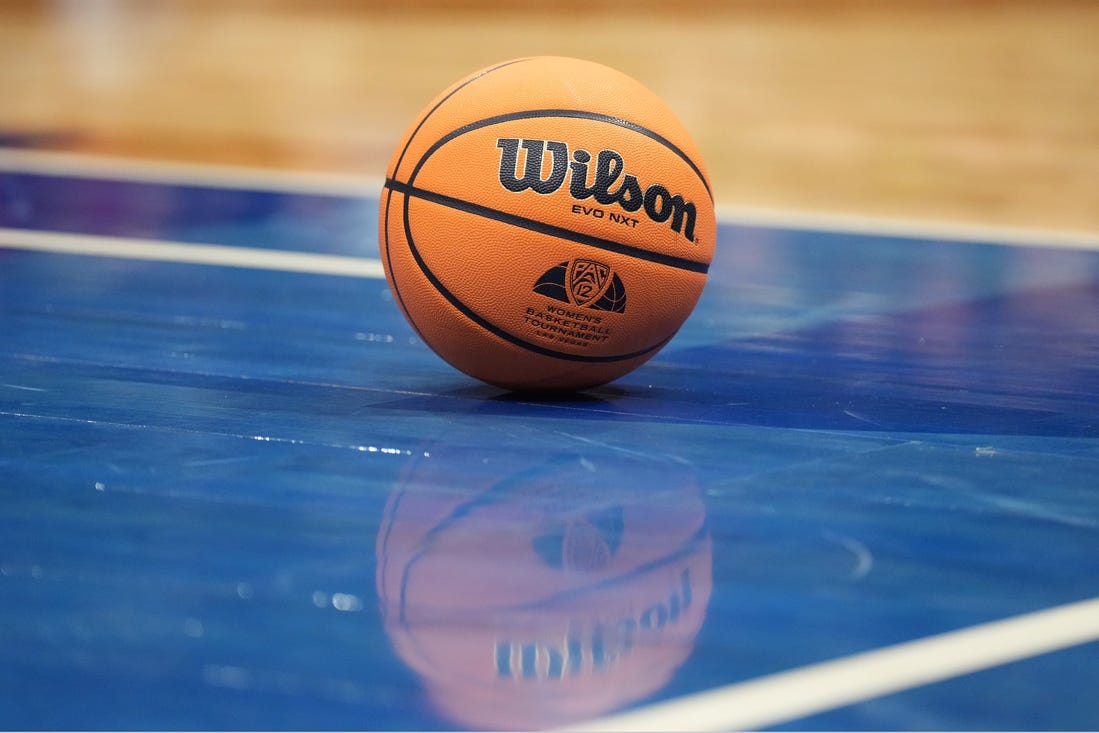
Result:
859,490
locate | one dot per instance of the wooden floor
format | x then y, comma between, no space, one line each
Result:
249,498
982,112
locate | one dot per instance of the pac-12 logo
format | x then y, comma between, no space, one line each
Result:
584,283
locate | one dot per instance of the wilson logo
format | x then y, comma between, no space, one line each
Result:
608,183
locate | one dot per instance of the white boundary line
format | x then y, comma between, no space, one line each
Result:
198,254
78,165
906,228
788,696
278,180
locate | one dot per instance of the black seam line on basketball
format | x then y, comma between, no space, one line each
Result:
608,245
500,332
388,256
397,167
578,114
393,272
400,158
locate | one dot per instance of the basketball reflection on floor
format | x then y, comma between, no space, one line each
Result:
538,594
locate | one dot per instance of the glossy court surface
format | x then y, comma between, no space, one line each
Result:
238,492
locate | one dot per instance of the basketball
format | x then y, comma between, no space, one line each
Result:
546,224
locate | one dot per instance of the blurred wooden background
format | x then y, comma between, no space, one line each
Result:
984,112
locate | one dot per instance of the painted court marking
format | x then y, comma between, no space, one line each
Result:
195,254
334,184
206,175
788,696
906,228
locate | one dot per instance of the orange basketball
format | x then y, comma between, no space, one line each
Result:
546,224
